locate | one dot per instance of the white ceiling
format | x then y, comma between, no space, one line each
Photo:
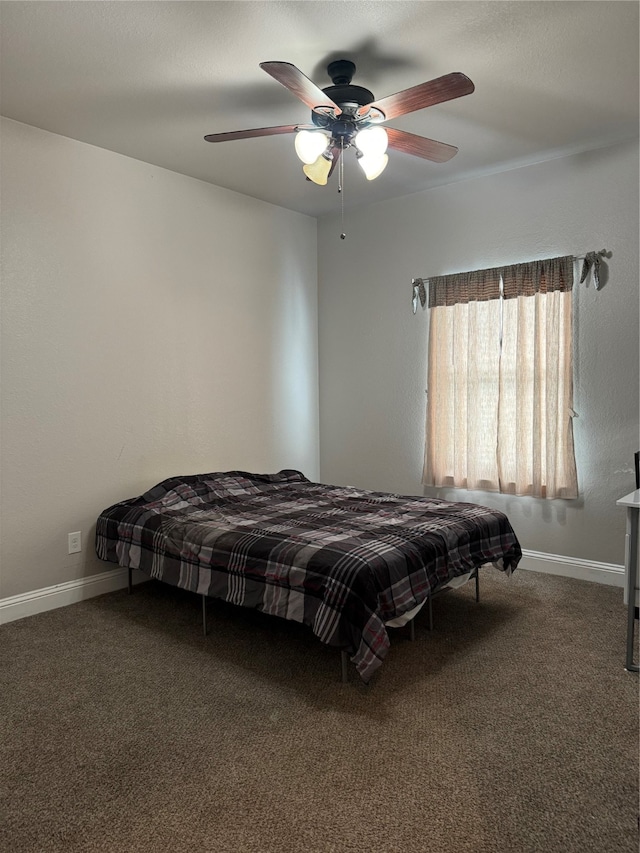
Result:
150,79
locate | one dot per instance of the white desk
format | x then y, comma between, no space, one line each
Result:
632,503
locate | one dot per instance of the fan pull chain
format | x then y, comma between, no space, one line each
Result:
341,187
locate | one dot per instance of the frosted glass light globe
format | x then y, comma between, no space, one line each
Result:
372,141
318,171
310,144
373,164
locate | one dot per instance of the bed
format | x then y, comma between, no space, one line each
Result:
346,562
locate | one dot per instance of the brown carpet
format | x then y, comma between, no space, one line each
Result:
513,726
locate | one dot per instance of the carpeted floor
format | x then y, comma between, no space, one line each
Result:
513,726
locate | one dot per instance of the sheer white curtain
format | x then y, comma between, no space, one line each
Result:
500,389
463,381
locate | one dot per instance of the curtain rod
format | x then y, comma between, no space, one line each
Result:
603,253
591,260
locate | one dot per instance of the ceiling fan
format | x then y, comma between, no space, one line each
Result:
344,116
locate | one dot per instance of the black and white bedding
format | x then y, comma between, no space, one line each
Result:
343,561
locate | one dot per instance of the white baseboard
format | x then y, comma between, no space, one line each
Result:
60,595
51,597
573,567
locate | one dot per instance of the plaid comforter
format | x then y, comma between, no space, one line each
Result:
341,560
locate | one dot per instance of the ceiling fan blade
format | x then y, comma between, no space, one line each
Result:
420,146
436,91
336,151
248,134
295,81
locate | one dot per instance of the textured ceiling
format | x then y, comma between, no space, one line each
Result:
150,79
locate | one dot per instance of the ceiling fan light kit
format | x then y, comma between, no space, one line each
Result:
371,144
372,165
345,116
318,171
310,144
372,140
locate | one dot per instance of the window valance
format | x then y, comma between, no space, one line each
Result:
543,276
537,277
476,286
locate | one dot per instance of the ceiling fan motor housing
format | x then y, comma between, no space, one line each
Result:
348,95
349,98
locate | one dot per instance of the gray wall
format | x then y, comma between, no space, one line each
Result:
372,349
152,325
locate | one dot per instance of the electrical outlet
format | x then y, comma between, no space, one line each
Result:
75,542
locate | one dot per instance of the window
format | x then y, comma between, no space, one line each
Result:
500,390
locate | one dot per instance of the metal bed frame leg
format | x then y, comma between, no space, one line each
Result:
477,583
344,660
412,630
130,582
429,602
204,615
